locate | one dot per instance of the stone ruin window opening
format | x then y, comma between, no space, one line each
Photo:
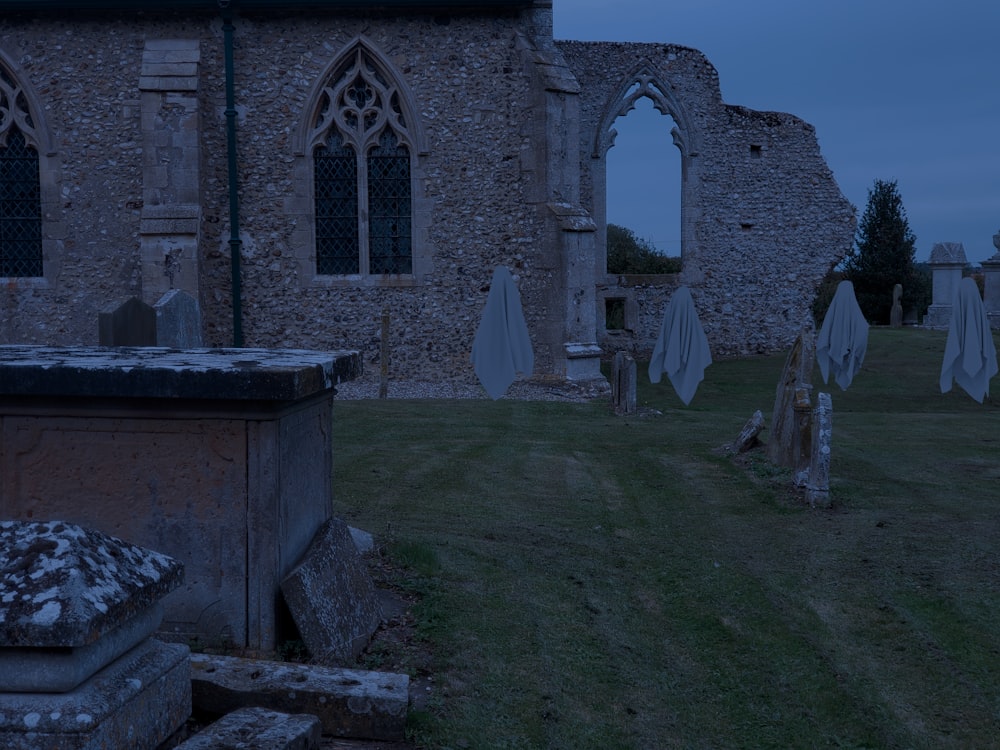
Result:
20,187
755,151
614,313
643,163
362,174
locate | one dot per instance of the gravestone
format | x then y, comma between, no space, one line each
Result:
796,375
178,321
747,438
896,315
623,384
332,598
947,262
78,668
802,436
132,323
818,486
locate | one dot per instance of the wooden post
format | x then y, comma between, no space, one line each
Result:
383,385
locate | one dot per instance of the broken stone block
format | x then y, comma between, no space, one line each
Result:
747,438
349,702
332,598
258,729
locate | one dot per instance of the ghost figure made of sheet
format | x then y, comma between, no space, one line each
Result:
970,357
843,338
681,349
502,348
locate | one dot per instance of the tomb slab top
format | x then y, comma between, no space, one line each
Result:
65,586
156,372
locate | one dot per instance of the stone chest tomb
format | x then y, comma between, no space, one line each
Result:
219,458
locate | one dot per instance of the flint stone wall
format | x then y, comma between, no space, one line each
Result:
480,83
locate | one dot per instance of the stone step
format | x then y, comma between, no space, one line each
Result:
348,702
258,729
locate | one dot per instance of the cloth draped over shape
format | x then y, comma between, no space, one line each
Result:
502,347
970,356
681,349
843,337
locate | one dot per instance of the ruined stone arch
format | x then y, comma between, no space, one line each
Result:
643,82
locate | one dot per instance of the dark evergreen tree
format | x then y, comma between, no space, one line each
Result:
884,256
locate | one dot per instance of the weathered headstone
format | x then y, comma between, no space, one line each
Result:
947,262
77,666
896,315
178,321
802,436
132,323
332,598
818,486
747,438
623,384
797,374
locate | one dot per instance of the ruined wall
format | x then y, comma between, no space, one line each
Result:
763,219
470,87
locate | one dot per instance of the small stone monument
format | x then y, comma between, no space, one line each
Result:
132,323
947,262
796,375
78,668
623,384
818,485
747,438
896,315
991,285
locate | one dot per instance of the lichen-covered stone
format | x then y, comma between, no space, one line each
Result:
65,586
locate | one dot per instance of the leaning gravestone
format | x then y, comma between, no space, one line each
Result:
747,438
796,375
78,668
132,323
332,598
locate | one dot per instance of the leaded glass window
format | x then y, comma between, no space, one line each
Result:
20,209
361,172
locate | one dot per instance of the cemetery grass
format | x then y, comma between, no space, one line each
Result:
580,580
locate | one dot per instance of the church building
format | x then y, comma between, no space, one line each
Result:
301,168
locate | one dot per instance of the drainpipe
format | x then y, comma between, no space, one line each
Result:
235,244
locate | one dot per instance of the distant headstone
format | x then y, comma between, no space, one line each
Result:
818,486
747,438
947,262
132,323
797,374
991,285
896,316
623,384
178,321
332,598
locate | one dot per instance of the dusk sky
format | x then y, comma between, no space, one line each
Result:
905,90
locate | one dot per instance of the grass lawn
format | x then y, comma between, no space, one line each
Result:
592,581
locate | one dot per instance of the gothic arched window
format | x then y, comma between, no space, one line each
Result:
362,191
20,193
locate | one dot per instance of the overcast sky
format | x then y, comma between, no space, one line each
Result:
905,90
